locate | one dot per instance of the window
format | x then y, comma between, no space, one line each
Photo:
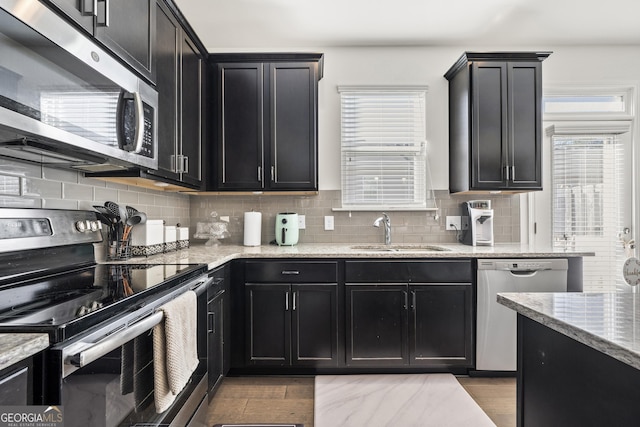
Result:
588,186
384,152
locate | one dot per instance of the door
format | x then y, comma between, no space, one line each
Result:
588,203
80,11
191,111
441,325
268,333
128,28
315,325
215,339
293,94
524,88
166,58
377,325
489,124
240,125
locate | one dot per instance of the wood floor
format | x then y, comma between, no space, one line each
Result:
290,400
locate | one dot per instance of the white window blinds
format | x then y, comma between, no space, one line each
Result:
383,140
588,187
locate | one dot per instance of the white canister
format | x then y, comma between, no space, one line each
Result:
252,228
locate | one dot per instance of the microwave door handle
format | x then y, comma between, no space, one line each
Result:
114,341
139,136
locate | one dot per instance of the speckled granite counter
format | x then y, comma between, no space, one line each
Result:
217,255
609,323
17,347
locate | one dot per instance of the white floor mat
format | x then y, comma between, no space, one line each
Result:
404,400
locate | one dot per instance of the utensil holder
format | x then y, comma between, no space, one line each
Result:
119,248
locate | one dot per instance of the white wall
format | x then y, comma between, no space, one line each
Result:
426,66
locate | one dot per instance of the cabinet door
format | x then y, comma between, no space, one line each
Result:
377,325
525,124
293,100
127,27
489,125
315,325
79,11
441,325
166,56
215,339
191,111
15,386
240,126
268,323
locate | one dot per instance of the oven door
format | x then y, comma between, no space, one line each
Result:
111,382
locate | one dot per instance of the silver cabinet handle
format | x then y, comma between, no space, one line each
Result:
259,173
185,164
286,301
105,21
290,272
294,301
406,299
273,173
413,300
89,7
115,340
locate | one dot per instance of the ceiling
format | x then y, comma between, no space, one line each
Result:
281,24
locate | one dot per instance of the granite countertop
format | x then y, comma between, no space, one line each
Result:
17,347
215,256
607,322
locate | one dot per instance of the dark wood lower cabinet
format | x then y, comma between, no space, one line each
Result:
427,325
291,325
565,383
377,327
16,384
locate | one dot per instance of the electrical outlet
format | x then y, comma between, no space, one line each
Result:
301,222
453,223
328,222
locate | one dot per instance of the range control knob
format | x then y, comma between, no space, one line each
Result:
81,226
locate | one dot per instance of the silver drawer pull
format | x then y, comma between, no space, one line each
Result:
290,272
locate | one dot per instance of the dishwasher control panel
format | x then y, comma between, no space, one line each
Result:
523,264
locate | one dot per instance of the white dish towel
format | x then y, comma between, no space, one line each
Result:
175,349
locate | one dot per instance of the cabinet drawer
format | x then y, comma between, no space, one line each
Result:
291,272
443,271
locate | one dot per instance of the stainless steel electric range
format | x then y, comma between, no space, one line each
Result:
99,318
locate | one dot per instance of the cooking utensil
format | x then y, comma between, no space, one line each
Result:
115,210
135,219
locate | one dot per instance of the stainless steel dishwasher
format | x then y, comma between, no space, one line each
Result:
496,325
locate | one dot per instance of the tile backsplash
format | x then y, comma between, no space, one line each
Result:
35,186
353,227
28,185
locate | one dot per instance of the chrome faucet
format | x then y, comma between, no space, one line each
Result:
387,227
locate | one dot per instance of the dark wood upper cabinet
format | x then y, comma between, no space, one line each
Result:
126,27
265,124
179,65
495,122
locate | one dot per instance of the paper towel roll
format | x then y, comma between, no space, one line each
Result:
252,228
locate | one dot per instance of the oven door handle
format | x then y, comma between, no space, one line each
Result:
115,340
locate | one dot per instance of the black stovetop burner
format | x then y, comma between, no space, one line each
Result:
67,303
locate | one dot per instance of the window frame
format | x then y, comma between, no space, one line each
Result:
429,196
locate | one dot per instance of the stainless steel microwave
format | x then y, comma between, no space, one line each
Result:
64,101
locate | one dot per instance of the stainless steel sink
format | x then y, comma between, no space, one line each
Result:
400,248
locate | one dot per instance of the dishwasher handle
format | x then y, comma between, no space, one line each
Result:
524,273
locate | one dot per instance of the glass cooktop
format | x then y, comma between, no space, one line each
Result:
83,298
